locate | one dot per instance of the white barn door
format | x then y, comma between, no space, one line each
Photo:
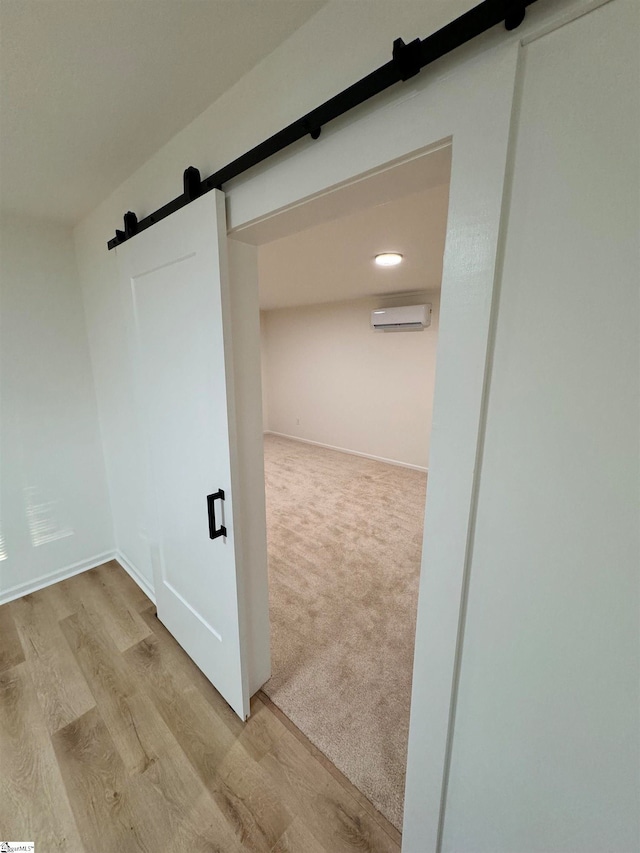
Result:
176,275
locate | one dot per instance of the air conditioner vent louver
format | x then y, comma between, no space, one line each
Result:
401,319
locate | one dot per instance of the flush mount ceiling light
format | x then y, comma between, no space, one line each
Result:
388,259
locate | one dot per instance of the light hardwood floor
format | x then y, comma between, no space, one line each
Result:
111,739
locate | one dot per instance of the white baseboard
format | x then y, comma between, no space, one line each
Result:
53,577
77,568
135,575
350,452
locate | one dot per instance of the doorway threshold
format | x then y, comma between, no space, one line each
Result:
328,765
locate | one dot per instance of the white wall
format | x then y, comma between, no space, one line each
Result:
264,370
545,750
54,509
348,386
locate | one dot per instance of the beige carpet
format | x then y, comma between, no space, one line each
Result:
345,539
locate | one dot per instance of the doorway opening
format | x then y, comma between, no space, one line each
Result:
347,418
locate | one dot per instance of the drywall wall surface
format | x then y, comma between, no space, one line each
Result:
545,749
332,379
54,508
107,313
264,370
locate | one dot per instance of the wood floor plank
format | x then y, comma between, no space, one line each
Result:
111,682
63,598
160,761
161,783
348,786
296,839
11,652
62,690
96,781
170,785
33,802
188,715
231,775
190,820
245,794
334,818
164,807
114,576
116,613
262,729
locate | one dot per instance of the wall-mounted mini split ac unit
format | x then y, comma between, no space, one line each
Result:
402,319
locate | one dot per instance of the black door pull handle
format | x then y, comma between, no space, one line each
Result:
211,508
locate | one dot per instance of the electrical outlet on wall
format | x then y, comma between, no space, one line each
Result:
297,421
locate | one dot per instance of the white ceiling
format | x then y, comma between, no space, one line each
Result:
90,89
334,260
